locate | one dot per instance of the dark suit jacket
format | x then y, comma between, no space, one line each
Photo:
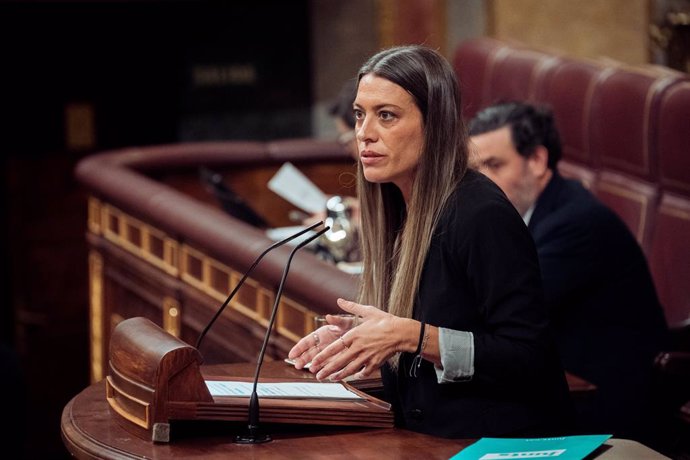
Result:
482,275
608,321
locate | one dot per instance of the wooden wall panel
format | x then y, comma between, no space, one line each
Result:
588,28
405,22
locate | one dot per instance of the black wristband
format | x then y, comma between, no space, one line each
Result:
421,339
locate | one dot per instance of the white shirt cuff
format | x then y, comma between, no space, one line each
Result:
457,356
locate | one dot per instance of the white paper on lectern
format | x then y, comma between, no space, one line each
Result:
290,390
296,188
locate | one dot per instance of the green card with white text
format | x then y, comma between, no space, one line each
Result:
560,448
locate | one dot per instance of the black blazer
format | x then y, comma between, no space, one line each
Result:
482,275
608,321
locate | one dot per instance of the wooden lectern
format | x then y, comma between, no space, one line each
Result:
154,378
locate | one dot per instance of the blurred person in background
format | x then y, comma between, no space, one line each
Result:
608,322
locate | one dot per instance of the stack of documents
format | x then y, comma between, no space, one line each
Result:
289,402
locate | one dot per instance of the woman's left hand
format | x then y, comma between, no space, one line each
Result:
358,351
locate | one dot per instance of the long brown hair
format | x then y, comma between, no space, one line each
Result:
396,237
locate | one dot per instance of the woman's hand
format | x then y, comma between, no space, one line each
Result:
310,345
336,353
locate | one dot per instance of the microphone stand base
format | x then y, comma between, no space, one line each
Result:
252,438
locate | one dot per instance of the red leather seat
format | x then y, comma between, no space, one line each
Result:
473,63
585,175
517,74
623,119
632,199
670,249
569,92
669,258
673,138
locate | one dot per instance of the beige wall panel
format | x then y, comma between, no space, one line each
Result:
583,28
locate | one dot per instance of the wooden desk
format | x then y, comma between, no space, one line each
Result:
90,432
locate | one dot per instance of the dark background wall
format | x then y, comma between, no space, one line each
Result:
82,77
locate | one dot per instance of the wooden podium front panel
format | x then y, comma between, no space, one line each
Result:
90,432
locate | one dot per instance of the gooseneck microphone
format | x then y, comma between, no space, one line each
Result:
248,272
253,436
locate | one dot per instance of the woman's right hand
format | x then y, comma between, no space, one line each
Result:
359,351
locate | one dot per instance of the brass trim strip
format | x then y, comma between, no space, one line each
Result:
205,284
172,316
264,303
111,389
94,215
261,298
122,237
175,260
282,325
187,253
96,302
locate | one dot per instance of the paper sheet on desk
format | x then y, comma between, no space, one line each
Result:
296,188
289,390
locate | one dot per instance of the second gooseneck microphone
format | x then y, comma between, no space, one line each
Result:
253,436
248,272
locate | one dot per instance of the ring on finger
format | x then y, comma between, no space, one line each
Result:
316,339
343,342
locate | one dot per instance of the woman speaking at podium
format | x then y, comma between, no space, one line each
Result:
450,301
